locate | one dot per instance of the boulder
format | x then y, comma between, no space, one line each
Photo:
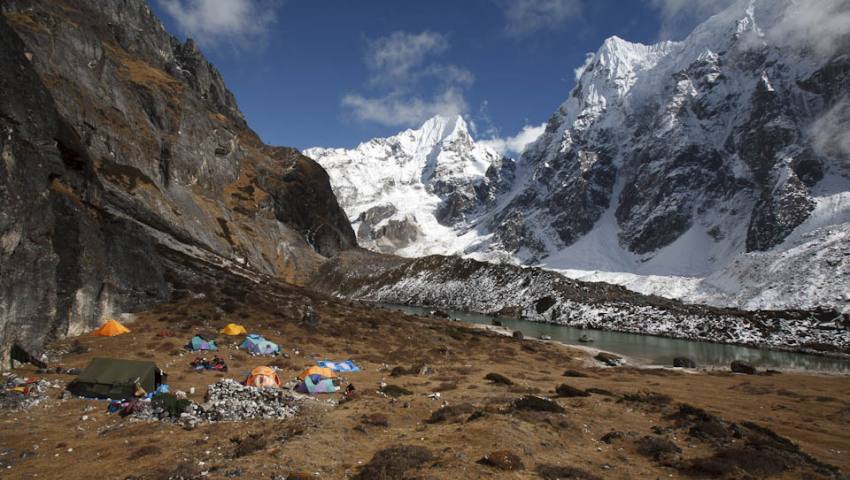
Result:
503,460
609,359
518,335
684,362
564,390
743,367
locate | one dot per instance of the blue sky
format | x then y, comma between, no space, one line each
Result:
336,72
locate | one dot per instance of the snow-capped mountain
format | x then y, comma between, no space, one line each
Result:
416,193
723,158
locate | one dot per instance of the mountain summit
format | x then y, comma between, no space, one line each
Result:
417,192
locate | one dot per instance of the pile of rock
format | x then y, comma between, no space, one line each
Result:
21,393
228,400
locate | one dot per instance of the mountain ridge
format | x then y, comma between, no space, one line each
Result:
676,159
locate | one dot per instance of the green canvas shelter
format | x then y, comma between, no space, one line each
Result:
116,378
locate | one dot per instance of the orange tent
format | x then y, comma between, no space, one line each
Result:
111,329
316,370
233,329
263,377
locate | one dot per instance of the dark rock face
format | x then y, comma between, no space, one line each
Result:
678,140
125,164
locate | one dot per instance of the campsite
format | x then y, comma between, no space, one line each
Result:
421,391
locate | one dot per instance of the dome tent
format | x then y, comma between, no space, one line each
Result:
111,328
198,343
316,384
233,329
263,377
257,345
323,372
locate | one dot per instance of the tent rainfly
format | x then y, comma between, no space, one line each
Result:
233,329
111,329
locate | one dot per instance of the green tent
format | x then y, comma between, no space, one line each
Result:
116,378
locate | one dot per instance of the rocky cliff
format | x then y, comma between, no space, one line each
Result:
125,161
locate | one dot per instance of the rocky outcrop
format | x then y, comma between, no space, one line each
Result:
533,294
125,162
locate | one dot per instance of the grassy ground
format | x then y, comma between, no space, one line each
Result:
52,441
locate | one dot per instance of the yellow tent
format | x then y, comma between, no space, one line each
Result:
111,329
234,329
316,370
263,377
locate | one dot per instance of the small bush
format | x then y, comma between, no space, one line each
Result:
555,472
393,463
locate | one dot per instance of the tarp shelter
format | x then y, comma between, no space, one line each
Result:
198,343
316,384
258,345
234,329
111,329
343,366
316,370
116,378
263,377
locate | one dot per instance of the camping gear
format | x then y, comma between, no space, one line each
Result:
316,370
198,343
257,345
216,363
344,366
263,377
316,384
116,378
111,329
233,329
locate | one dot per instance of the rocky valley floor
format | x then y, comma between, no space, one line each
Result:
670,424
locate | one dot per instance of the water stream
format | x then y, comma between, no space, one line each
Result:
653,350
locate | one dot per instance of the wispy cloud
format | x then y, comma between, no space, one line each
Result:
588,59
212,22
823,26
515,144
831,132
409,85
679,17
524,17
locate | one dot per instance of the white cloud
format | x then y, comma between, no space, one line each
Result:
395,57
409,85
517,143
831,132
823,25
210,22
523,17
679,17
588,58
396,109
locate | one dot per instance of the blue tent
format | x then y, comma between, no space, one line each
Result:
198,343
257,345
